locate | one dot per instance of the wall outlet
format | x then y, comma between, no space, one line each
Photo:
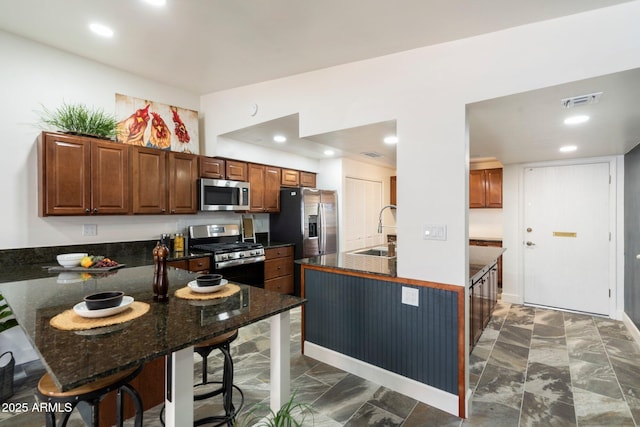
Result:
434,232
411,296
90,230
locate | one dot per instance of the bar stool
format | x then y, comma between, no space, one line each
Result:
221,343
91,393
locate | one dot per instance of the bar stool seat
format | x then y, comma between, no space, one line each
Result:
221,343
92,393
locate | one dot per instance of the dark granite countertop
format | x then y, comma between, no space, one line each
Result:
481,258
273,245
361,263
78,357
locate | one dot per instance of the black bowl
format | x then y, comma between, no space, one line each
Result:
209,279
102,300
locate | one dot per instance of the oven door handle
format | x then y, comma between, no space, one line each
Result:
239,261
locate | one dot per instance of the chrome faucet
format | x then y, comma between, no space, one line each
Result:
380,217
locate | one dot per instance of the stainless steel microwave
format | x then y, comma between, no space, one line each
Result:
223,195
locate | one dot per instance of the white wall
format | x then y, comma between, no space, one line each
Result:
426,91
234,149
32,75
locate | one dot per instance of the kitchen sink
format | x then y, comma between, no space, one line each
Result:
381,252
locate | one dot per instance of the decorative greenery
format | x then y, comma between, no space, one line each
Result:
7,321
80,119
283,418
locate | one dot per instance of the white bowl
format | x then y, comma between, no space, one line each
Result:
70,260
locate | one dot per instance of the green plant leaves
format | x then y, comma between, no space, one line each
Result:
7,321
78,118
283,418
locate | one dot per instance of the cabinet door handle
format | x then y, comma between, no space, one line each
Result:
95,210
87,210
530,243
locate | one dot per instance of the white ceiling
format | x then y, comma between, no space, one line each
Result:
209,45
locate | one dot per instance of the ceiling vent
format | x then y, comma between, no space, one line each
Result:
575,101
371,154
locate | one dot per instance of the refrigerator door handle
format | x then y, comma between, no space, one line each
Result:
322,238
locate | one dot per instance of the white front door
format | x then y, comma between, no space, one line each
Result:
567,225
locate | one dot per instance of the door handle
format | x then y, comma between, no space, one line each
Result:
530,244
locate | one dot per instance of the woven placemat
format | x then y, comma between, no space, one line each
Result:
68,320
228,290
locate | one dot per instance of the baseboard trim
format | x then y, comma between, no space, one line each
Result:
633,329
424,393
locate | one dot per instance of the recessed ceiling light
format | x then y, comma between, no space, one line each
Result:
157,3
391,139
568,148
279,139
101,30
329,152
575,120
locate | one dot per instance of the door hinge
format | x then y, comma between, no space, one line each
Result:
609,179
609,236
609,293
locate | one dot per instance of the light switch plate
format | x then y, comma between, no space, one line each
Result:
411,296
434,232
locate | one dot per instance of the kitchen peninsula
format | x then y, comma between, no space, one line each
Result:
405,334
170,328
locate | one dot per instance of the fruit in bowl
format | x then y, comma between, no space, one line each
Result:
70,260
97,261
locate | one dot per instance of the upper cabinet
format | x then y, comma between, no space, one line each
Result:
265,188
290,178
485,188
307,179
81,176
212,167
89,176
183,174
149,181
163,182
236,171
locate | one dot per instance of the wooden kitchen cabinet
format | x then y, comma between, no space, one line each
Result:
183,175
149,180
483,296
308,179
392,190
496,244
235,170
163,182
290,178
212,167
264,190
485,188
196,265
81,175
278,269
149,384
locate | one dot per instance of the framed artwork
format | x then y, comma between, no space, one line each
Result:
152,124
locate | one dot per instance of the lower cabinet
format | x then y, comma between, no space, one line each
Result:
149,384
278,269
483,297
494,243
196,265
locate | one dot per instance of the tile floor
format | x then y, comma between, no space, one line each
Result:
531,367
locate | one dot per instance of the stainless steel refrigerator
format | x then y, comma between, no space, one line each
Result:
308,218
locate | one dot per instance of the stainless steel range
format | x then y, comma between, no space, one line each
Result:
236,260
